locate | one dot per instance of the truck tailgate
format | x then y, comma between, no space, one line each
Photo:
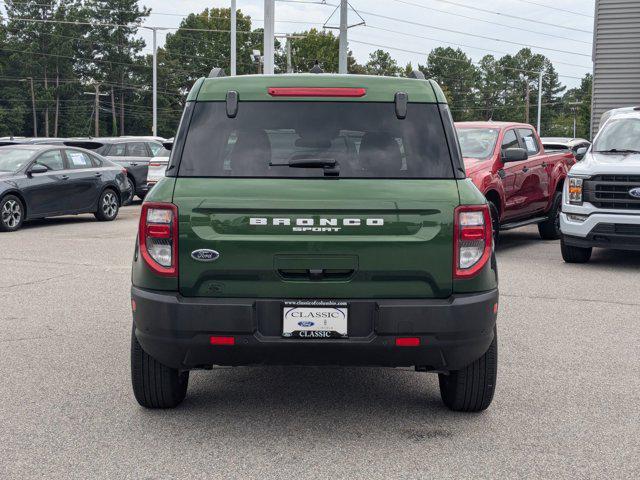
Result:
316,238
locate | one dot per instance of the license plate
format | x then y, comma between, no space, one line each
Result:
315,319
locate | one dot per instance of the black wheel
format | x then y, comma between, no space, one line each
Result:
550,228
571,254
108,206
495,223
471,388
11,213
155,385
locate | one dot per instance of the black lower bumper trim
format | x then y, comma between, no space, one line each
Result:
176,331
604,240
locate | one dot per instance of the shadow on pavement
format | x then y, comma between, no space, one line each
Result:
317,401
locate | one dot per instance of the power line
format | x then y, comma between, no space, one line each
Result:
447,58
409,22
508,15
476,19
573,12
502,52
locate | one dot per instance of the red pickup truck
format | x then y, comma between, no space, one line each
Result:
522,183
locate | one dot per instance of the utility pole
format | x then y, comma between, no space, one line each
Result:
269,31
288,39
33,106
234,52
114,125
344,27
97,108
343,55
289,65
540,101
154,123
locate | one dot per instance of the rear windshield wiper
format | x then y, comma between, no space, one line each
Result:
616,150
313,163
330,165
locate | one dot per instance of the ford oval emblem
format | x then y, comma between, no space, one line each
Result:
306,324
635,192
205,255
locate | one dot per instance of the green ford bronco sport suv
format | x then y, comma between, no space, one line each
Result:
315,219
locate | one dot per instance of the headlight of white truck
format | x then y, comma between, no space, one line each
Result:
575,190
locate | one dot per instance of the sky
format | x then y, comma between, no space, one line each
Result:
560,29
409,29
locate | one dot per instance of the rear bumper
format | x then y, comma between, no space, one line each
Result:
176,331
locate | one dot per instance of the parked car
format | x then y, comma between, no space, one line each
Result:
578,146
522,182
38,181
315,232
133,153
601,205
158,164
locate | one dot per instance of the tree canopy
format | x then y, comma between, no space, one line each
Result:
73,51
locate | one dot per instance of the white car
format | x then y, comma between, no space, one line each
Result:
601,199
157,167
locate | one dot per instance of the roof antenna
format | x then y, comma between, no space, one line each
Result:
316,68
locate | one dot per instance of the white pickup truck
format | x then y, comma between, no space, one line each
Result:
601,199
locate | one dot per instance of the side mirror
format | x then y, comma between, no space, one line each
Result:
38,168
581,152
514,155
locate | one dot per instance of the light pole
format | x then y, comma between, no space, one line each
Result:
269,31
233,37
344,27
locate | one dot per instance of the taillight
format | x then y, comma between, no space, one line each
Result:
472,240
158,237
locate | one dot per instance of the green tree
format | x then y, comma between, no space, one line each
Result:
491,83
381,63
457,74
113,56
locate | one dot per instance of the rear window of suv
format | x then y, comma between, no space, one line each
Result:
365,140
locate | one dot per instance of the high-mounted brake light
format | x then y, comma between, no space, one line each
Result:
316,92
472,240
158,237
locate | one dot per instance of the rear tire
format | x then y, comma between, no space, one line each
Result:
108,206
155,385
471,388
550,228
571,254
11,214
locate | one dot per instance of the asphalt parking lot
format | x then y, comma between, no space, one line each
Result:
567,403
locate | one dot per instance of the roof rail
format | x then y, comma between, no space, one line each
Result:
417,75
216,72
316,68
